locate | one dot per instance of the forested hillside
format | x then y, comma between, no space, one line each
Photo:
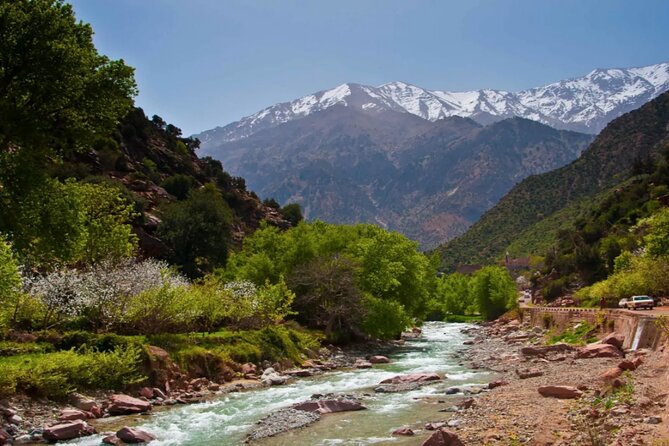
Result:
626,142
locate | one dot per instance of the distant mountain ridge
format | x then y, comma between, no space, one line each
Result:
584,104
428,180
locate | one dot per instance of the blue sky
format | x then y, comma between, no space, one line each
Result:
203,63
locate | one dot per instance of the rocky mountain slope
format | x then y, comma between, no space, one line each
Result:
140,159
429,180
608,161
584,104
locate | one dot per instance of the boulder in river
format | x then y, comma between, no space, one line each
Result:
412,378
394,388
68,431
404,431
330,405
134,435
362,364
271,377
378,359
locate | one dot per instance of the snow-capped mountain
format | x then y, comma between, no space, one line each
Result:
583,104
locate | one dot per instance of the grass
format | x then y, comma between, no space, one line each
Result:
580,334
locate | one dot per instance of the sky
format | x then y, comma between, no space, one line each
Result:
205,63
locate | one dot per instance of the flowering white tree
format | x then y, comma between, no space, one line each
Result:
100,292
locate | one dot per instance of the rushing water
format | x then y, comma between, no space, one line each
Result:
226,420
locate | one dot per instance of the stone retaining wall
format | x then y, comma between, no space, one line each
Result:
639,329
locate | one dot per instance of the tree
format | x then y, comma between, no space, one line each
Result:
10,280
57,95
327,297
494,290
453,295
56,92
198,231
293,213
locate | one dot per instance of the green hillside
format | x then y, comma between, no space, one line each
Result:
627,141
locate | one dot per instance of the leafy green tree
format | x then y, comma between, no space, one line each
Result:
293,213
454,295
657,237
10,280
57,93
74,222
494,291
198,231
384,319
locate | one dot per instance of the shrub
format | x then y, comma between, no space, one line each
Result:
179,185
163,309
56,375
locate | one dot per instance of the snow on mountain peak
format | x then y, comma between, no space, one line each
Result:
586,103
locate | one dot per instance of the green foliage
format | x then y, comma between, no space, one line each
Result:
74,223
384,319
330,268
580,334
179,185
274,343
494,291
293,213
656,239
10,280
164,309
644,275
198,231
453,296
57,374
56,87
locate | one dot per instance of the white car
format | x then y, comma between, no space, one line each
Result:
622,303
637,302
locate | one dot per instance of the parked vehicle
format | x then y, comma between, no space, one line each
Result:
622,303
637,302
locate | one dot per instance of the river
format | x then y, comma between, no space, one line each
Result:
226,420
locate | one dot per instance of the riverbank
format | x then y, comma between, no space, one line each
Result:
617,407
229,418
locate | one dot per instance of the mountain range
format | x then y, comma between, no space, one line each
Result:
427,163
585,104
